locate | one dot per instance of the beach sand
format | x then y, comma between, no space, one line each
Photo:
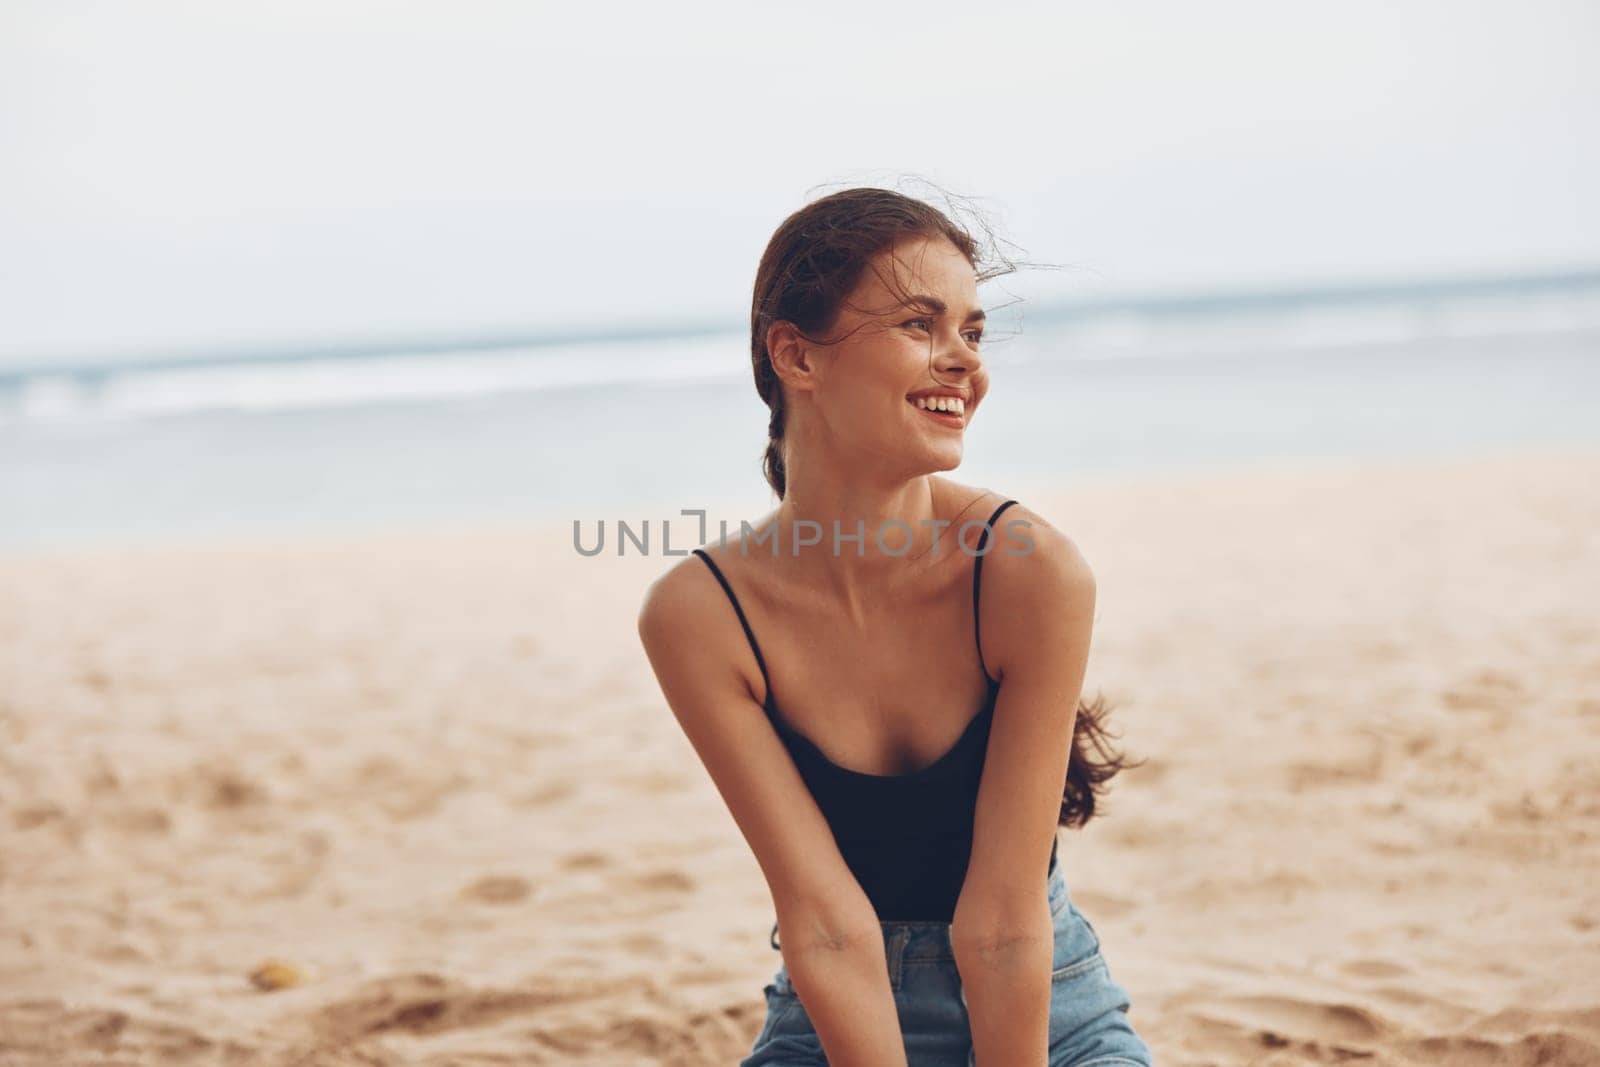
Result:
431,775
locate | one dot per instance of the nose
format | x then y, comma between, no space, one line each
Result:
955,359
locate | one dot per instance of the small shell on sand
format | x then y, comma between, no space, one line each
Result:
275,974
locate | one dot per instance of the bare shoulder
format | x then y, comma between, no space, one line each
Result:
679,607
1048,551
691,631
676,595
689,589
1038,588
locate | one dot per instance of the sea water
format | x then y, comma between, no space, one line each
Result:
138,451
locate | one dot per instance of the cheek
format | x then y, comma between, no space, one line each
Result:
868,399
879,380
872,422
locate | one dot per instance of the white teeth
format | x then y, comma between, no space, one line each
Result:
952,404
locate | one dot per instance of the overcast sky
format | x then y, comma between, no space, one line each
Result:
176,176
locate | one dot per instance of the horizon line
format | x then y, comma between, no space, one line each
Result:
1155,302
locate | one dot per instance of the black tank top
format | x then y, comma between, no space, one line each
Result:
906,837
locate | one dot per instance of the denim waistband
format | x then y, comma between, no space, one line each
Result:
930,940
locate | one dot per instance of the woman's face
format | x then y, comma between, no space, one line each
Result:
909,333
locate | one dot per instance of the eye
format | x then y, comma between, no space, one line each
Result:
976,336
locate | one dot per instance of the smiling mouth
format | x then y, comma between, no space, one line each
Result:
945,410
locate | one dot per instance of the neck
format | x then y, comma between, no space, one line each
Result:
899,513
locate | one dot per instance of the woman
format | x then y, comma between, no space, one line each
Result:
909,845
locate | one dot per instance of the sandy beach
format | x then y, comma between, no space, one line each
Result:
426,784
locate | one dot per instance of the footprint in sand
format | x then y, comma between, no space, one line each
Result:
664,878
1137,832
585,861
142,819
1550,1047
497,889
418,1003
657,781
645,945
1344,1030
547,793
1484,691
227,788
28,816
1373,968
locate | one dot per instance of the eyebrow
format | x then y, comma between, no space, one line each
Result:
939,307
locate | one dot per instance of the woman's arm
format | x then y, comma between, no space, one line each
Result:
831,942
1036,639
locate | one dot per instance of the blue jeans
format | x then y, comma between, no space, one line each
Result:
1088,1008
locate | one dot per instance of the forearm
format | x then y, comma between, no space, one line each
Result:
1006,979
844,987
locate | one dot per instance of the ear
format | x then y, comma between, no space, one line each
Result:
794,361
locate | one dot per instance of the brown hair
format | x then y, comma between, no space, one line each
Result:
813,262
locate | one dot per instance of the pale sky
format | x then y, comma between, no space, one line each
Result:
176,176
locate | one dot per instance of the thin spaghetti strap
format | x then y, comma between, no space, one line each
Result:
749,633
977,574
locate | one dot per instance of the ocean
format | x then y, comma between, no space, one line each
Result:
608,425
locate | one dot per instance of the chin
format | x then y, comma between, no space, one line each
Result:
944,459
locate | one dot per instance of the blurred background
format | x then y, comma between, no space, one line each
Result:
291,267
